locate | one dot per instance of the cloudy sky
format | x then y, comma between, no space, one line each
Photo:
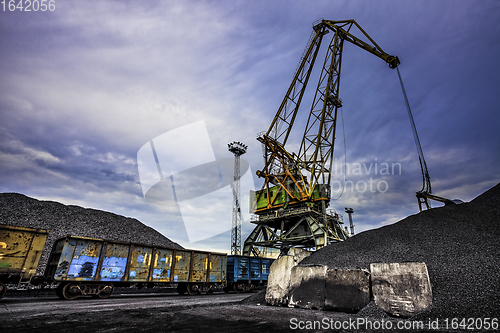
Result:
84,87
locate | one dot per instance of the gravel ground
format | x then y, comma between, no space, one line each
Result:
61,220
460,245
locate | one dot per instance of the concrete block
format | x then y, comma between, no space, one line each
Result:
347,290
308,287
298,254
401,289
278,283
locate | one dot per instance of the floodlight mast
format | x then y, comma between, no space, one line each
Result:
238,149
349,212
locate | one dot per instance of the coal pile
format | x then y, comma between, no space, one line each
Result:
61,220
257,298
460,245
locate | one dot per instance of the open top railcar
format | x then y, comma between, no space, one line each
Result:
88,266
20,251
245,273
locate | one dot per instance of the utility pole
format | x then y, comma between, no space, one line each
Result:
350,211
238,149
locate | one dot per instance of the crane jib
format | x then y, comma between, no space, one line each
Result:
291,207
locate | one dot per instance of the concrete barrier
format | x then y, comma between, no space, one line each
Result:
307,285
298,254
347,290
401,289
278,284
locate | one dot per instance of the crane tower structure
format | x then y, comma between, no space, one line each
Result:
238,149
291,209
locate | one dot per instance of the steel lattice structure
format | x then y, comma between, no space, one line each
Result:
291,208
238,149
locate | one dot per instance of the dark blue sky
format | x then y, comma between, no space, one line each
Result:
84,87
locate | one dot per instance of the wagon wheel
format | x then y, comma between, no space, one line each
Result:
236,288
193,289
103,295
3,290
210,290
70,291
108,291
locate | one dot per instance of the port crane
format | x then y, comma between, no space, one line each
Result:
291,209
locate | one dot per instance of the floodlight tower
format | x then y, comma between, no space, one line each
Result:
238,149
349,211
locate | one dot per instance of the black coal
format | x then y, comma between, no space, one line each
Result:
460,245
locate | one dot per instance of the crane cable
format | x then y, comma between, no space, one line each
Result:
423,166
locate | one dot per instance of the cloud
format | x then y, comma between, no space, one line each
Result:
83,88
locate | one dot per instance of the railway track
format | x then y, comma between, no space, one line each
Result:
19,308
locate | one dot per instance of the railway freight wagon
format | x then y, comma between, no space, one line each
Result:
20,251
245,273
87,266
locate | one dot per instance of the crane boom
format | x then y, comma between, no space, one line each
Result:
313,163
393,61
292,205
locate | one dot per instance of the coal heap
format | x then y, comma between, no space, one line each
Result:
61,220
460,245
